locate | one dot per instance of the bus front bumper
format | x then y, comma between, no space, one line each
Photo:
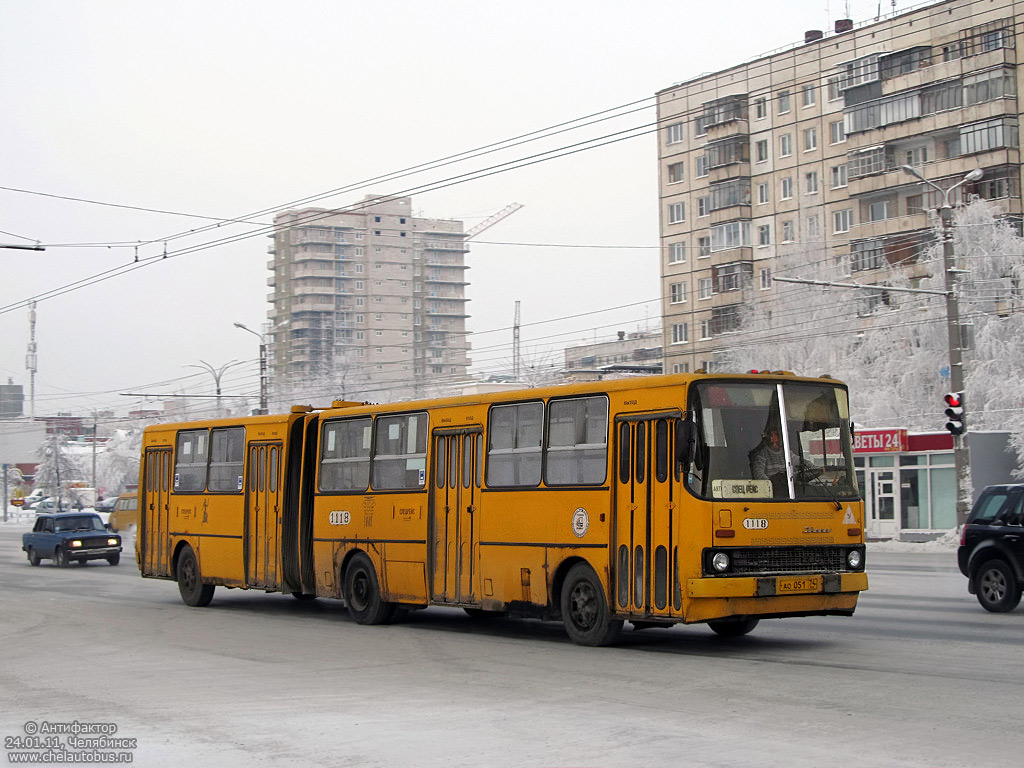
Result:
775,586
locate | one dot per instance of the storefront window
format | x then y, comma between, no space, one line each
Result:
914,492
943,494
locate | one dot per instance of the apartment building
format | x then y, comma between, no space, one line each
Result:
799,155
369,297
628,353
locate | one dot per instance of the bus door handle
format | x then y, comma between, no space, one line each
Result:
471,508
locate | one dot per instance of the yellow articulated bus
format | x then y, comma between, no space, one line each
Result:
659,500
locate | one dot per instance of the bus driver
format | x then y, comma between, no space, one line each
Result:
768,462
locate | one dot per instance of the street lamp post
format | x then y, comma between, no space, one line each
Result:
216,373
263,365
954,340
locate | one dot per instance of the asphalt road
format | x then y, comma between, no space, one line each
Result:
920,676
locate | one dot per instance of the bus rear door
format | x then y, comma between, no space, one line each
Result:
455,504
646,578
263,515
154,520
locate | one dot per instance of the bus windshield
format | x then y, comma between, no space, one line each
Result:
771,440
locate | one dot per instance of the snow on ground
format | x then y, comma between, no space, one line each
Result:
947,542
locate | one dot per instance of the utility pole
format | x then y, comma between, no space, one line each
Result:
515,345
31,358
7,499
263,366
94,451
954,337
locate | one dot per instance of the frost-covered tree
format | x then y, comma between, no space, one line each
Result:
118,465
57,468
991,301
344,378
891,347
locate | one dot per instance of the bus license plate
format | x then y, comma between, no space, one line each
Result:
798,584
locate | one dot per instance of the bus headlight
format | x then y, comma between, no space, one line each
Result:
720,562
854,559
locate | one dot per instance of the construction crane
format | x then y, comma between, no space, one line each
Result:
487,223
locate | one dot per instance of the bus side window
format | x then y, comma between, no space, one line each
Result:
577,445
227,450
514,444
345,455
400,452
190,460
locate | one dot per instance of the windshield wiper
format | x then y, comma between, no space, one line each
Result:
815,477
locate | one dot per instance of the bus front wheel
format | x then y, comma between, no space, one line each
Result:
733,627
362,593
190,581
585,612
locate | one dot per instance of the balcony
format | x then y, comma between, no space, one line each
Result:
309,270
888,227
729,213
313,290
724,130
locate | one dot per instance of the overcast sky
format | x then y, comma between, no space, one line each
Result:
221,109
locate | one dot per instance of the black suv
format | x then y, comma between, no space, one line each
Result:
991,553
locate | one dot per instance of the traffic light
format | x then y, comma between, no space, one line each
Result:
957,423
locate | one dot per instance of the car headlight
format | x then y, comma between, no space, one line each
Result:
720,562
112,542
76,543
854,558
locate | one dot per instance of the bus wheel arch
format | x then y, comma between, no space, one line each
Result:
190,579
586,613
177,556
360,586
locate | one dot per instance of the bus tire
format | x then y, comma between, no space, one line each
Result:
362,593
733,627
585,611
190,580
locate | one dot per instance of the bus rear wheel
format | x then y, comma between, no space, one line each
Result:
190,581
585,610
362,593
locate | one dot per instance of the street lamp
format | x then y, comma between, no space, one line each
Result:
953,333
216,373
263,366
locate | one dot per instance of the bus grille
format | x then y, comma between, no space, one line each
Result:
787,559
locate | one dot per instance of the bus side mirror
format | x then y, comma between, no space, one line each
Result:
686,439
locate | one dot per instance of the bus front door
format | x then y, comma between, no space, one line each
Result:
154,520
646,573
455,536
263,515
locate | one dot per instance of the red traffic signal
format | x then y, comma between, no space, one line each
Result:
957,423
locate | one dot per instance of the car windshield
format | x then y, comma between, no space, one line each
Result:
79,523
771,440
